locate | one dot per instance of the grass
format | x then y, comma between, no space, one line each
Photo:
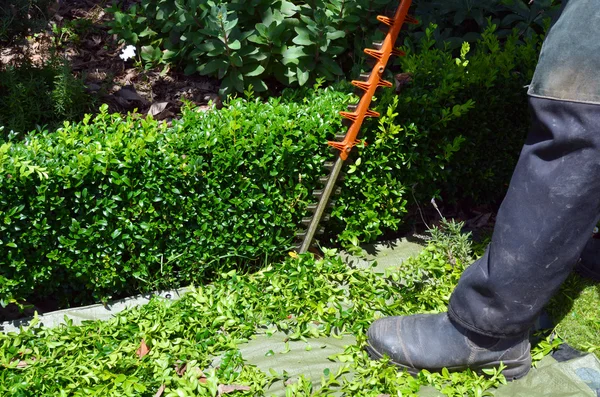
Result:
577,308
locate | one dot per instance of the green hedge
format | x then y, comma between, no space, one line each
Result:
118,204
455,132
113,204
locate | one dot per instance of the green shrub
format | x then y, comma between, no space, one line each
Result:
424,147
115,205
31,97
21,17
248,42
461,21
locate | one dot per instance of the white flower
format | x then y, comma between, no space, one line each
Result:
596,230
127,53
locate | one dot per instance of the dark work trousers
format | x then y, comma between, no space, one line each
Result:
553,200
544,222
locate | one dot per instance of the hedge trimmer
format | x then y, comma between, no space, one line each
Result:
368,83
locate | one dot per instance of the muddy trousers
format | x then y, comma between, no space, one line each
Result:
543,225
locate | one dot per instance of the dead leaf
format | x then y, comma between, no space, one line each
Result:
160,391
224,389
203,108
180,370
129,94
143,350
402,80
22,364
159,111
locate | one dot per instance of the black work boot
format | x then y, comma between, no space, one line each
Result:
589,263
433,342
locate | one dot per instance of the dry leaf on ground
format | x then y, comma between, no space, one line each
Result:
160,391
143,349
224,389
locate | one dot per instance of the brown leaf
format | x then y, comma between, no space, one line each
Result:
159,111
130,94
143,350
160,391
180,370
402,80
22,364
223,389
200,374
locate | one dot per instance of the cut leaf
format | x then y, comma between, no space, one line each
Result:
143,349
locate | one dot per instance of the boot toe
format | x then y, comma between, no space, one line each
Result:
384,338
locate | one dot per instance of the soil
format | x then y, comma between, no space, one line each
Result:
81,37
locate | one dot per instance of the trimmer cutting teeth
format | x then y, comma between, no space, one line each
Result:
368,83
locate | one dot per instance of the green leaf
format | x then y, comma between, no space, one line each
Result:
337,34
303,37
212,66
257,71
302,75
331,65
291,55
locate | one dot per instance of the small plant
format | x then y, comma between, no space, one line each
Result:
70,31
18,18
32,97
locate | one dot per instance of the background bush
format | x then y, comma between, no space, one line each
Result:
118,204
424,147
258,42
32,96
251,42
21,17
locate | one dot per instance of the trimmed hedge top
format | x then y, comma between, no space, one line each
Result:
114,204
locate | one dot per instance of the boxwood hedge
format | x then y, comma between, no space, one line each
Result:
116,204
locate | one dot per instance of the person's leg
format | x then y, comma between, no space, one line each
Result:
543,224
545,221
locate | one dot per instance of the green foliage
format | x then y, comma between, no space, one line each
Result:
35,96
302,297
423,146
576,307
130,204
70,31
115,205
21,17
249,42
464,20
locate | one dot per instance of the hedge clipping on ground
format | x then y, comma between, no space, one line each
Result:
170,346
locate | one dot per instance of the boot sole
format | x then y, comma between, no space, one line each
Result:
515,369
